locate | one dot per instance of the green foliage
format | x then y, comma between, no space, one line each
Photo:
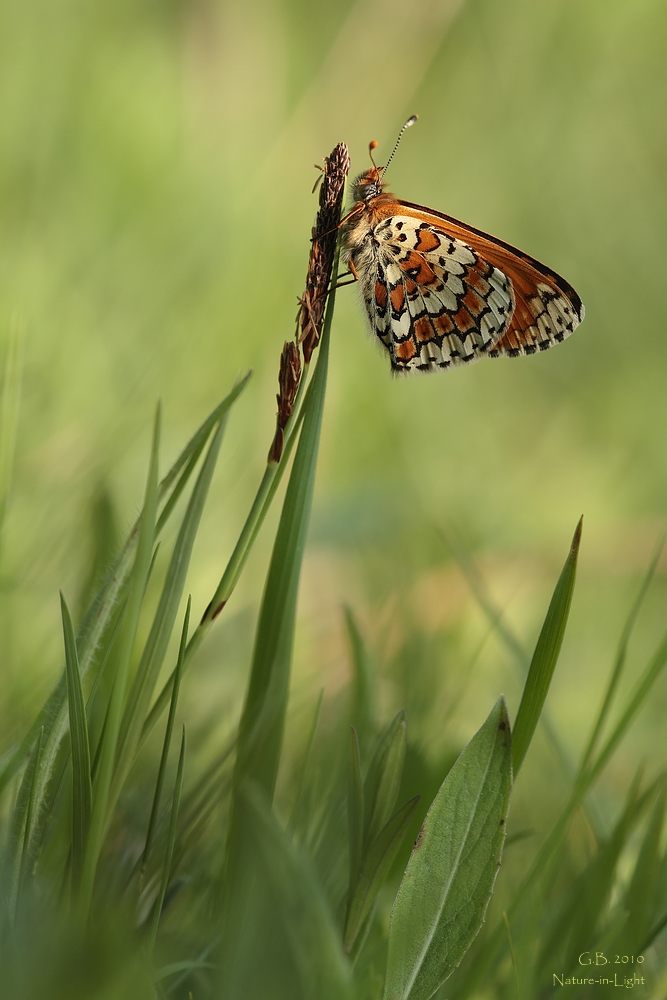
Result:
82,788
375,830
448,882
267,906
171,837
545,657
154,161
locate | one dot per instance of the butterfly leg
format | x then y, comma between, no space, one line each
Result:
350,215
355,276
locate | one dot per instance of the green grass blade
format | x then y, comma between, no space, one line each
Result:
546,861
260,506
53,776
200,962
639,898
53,716
373,785
653,670
381,805
184,465
155,650
169,491
297,810
103,543
263,716
512,954
548,851
259,509
362,683
26,853
620,659
167,741
126,642
207,789
482,596
449,879
19,821
500,627
288,889
376,867
355,814
545,656
171,837
185,966
82,788
579,921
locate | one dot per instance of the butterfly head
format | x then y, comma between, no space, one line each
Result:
368,185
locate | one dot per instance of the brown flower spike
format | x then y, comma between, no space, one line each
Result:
311,304
288,380
320,264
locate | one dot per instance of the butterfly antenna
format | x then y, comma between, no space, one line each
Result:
411,120
371,146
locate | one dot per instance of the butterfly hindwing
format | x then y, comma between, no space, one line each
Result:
434,302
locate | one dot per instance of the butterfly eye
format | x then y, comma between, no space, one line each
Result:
371,190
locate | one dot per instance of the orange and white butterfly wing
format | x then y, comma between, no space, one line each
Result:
440,293
547,309
431,300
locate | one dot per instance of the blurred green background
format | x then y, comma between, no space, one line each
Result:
156,165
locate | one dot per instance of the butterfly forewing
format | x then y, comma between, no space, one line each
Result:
439,293
431,300
547,307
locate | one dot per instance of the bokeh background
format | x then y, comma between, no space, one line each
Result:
156,165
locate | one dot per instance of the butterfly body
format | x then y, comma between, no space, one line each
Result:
439,293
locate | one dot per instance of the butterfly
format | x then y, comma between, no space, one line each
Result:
440,293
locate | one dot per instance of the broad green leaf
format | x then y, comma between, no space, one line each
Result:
376,866
547,857
449,879
545,656
355,812
82,788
